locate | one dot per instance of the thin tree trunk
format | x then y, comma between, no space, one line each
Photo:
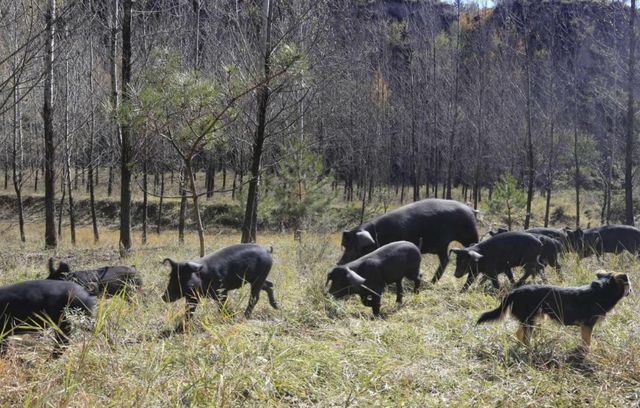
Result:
17,156
47,115
547,206
159,219
92,132
249,225
125,133
224,177
196,206
630,135
183,206
454,124
576,159
67,150
530,158
145,200
17,145
63,196
115,99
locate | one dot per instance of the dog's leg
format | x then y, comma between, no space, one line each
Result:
526,338
586,336
524,333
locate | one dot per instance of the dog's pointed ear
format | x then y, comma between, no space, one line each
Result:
601,273
355,280
475,255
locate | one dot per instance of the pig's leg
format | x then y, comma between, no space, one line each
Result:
443,256
399,291
268,287
256,287
375,305
470,279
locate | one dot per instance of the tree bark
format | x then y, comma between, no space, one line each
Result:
17,156
92,130
576,158
47,115
183,206
159,219
530,157
249,225
115,99
145,198
196,206
125,130
630,135
67,151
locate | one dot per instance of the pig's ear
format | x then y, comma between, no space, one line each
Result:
364,239
475,255
171,263
346,239
195,267
355,280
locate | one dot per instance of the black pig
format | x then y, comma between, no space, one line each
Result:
368,275
33,305
432,224
499,254
215,274
108,280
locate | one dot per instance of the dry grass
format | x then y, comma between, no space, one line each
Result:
314,351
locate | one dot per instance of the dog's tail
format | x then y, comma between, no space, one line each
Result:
497,313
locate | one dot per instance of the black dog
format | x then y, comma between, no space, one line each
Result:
110,280
34,305
580,306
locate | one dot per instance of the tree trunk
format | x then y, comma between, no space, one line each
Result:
49,146
17,156
196,206
183,206
159,219
67,151
145,198
530,163
454,123
630,135
249,225
547,206
576,159
115,99
224,177
63,196
125,130
92,130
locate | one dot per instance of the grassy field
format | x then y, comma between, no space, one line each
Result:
314,351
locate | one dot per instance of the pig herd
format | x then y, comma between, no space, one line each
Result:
383,251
